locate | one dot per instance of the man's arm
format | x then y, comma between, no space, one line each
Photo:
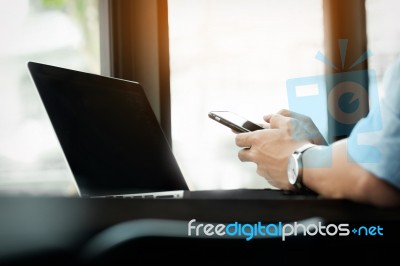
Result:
345,179
327,170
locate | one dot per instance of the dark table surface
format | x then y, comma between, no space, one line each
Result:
33,225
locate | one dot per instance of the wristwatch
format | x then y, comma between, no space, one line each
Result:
295,167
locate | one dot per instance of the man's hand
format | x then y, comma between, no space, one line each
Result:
305,130
270,148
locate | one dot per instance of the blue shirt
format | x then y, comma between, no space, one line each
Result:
374,142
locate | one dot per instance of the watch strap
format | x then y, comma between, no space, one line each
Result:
299,154
304,148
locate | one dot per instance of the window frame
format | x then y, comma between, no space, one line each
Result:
344,20
131,52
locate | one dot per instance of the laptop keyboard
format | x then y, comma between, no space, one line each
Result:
142,197
158,195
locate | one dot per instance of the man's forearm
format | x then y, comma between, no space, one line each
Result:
329,172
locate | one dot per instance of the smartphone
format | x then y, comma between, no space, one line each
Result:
234,121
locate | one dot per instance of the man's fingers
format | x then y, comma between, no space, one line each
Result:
292,114
267,118
244,139
283,112
278,121
245,155
286,113
266,126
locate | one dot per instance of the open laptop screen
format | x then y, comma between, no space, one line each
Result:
108,132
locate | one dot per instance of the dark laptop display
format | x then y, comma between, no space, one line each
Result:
108,132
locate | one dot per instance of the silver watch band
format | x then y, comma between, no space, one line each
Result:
299,154
304,148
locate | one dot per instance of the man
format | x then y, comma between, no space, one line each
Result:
341,170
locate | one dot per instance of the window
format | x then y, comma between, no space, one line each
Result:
60,32
234,55
224,55
383,32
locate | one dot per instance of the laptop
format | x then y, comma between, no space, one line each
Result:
111,139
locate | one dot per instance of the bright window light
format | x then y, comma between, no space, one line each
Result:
234,55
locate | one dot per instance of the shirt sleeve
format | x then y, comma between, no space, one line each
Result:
374,143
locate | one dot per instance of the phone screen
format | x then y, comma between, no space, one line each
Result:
234,121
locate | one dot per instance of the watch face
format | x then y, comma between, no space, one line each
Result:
292,170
